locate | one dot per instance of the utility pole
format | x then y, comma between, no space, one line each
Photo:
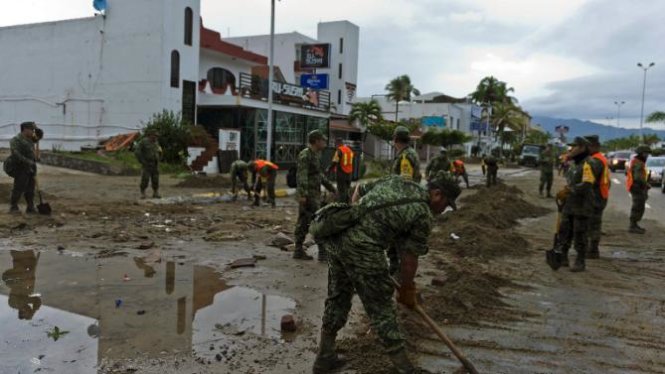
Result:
644,89
619,104
271,73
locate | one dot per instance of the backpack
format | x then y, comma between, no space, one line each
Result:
291,177
9,166
335,218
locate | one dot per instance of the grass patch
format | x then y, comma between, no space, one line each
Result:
124,159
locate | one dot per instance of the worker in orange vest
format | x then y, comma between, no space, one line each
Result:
342,165
459,170
638,186
601,194
267,173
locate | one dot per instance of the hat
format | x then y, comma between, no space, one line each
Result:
401,131
593,139
642,148
28,125
579,141
443,181
315,135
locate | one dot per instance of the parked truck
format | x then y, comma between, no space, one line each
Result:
530,155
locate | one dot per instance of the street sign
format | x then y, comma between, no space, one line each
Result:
314,81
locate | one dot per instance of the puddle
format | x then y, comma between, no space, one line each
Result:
163,308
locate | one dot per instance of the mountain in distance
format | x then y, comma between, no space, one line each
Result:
581,128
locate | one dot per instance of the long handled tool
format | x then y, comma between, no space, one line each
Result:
553,256
438,331
43,208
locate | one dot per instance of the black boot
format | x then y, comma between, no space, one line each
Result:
327,360
564,258
579,263
635,229
594,253
257,200
401,362
300,254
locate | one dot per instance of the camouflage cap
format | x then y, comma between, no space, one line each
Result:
579,141
28,125
444,182
643,148
315,135
593,139
401,131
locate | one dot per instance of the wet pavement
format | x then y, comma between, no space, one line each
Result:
122,307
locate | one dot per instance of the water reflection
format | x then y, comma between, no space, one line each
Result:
21,281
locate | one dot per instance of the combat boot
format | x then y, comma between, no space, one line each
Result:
594,253
143,196
635,229
300,254
156,195
579,263
257,200
30,210
401,362
327,359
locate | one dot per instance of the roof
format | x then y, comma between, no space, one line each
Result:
212,40
342,125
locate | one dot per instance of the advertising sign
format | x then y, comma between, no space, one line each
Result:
229,140
433,121
314,81
315,56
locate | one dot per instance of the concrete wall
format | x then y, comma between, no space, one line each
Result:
333,33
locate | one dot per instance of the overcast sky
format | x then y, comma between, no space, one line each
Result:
565,58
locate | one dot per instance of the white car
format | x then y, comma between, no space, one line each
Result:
655,167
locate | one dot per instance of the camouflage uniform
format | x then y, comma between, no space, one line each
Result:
492,166
440,162
148,153
239,173
357,261
596,221
23,157
546,172
639,192
407,165
310,178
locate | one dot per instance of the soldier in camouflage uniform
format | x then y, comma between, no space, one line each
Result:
492,168
638,185
547,160
357,263
309,179
578,203
239,173
148,152
601,191
406,163
438,163
23,162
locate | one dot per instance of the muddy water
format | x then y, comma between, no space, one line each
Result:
121,307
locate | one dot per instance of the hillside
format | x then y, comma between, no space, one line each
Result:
579,127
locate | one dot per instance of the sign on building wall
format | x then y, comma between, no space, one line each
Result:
315,56
229,140
433,121
350,92
314,81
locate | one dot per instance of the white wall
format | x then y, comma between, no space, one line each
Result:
332,32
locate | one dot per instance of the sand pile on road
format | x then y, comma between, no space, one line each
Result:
200,181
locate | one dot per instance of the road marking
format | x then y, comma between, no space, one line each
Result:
648,206
616,181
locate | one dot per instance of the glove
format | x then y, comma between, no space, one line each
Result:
406,295
562,195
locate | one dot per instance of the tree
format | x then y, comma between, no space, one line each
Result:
400,89
537,137
656,117
445,137
491,91
505,114
366,113
174,135
382,129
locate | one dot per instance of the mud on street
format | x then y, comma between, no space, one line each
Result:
149,287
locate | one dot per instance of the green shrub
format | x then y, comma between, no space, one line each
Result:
174,136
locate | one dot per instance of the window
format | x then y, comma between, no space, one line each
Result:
175,69
220,80
189,25
458,123
341,45
339,96
340,71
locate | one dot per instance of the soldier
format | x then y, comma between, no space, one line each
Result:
578,204
342,165
406,161
546,170
638,186
601,194
148,152
357,262
22,161
310,178
459,170
438,163
267,174
239,174
492,166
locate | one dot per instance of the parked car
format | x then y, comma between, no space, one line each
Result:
655,167
618,160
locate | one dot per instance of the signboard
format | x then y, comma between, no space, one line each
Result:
315,56
229,140
314,81
350,92
433,121
561,129
478,125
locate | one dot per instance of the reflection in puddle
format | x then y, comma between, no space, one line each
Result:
163,308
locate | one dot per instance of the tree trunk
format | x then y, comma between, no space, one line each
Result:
396,109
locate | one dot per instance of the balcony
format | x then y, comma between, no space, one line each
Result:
255,87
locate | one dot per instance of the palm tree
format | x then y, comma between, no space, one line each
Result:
366,113
505,114
656,117
491,90
400,89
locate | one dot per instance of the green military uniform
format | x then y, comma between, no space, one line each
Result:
639,191
578,207
407,164
310,177
239,173
547,160
148,154
601,172
492,168
438,163
23,162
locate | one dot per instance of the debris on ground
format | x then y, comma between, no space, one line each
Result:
243,263
223,236
279,240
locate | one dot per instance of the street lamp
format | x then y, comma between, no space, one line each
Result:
619,104
609,120
644,89
271,73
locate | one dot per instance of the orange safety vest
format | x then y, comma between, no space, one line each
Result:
346,161
458,166
605,182
260,164
629,174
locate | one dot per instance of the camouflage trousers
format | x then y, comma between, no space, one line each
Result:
305,216
573,230
269,184
491,175
639,203
242,178
546,179
24,186
150,174
343,187
595,225
375,290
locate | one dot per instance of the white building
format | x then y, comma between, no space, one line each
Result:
87,79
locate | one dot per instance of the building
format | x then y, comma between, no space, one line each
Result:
87,79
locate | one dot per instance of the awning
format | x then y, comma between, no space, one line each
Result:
343,125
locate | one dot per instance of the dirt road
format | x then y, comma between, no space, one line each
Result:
176,306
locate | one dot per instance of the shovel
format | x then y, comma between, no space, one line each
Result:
43,208
554,257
